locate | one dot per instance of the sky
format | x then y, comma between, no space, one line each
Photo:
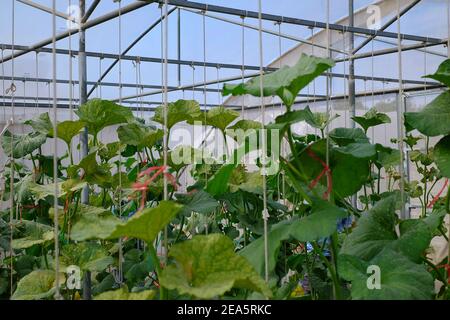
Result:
223,42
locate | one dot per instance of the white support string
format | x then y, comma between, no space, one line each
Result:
243,66
121,258
37,82
3,89
70,73
265,213
11,159
346,101
328,89
204,97
165,99
55,155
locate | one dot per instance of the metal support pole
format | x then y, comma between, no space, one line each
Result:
179,45
351,66
82,72
351,77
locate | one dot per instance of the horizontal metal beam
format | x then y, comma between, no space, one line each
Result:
278,34
87,25
421,49
391,50
103,84
19,101
46,9
295,21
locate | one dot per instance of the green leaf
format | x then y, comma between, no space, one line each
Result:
319,224
147,224
285,82
36,233
442,74
400,279
98,114
22,144
434,119
200,202
184,155
245,125
94,223
139,135
442,156
207,266
87,256
144,225
95,173
252,183
179,111
39,284
376,230
220,117
387,157
40,191
358,150
41,124
123,294
372,118
218,183
345,136
66,130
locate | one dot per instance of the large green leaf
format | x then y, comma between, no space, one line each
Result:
217,185
39,284
123,294
434,119
22,144
285,82
147,224
93,172
400,279
144,225
207,267
41,191
99,114
41,124
87,256
321,223
35,233
220,117
342,164
376,230
66,130
94,223
179,111
442,156
371,118
200,202
358,150
345,136
442,74
139,135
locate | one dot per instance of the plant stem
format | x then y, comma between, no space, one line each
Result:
154,256
334,278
